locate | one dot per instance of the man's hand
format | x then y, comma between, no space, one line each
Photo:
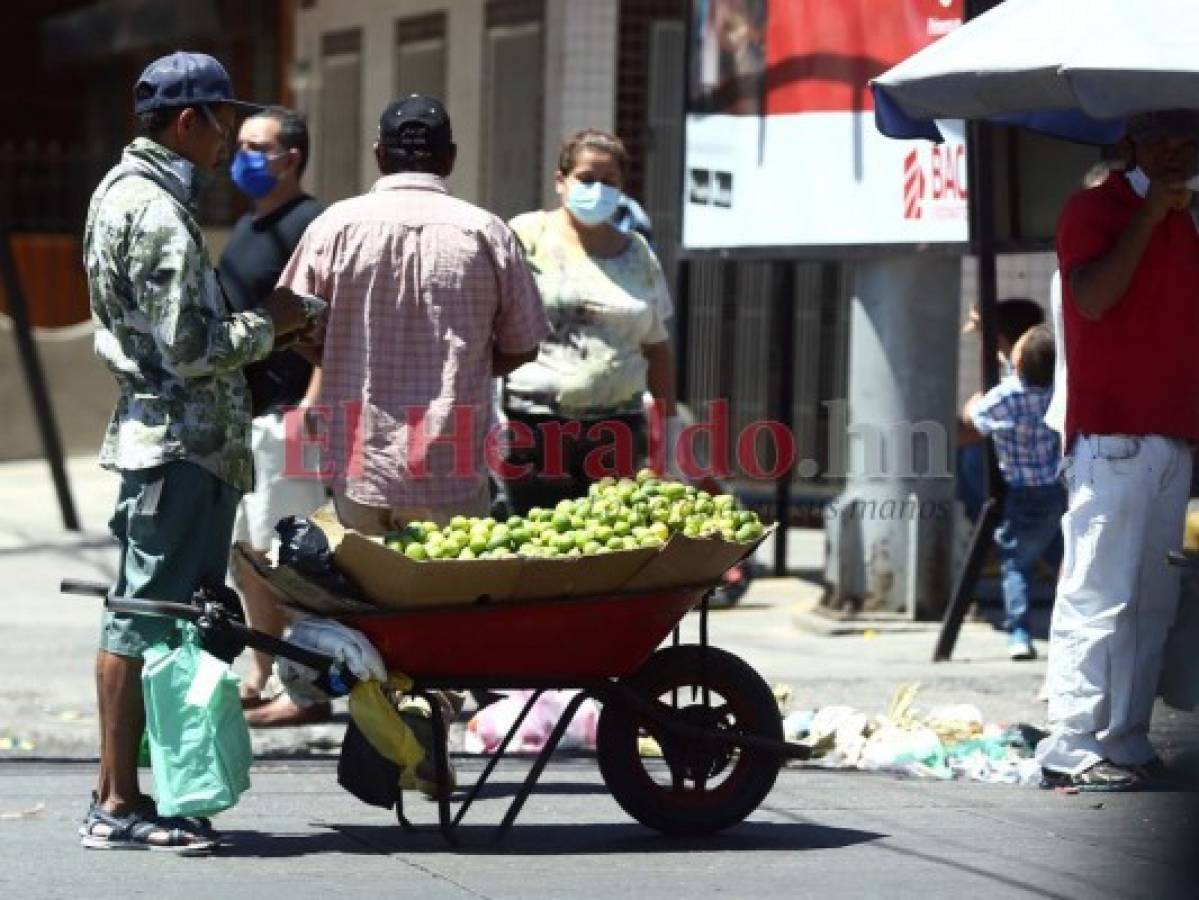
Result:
505,363
1165,197
287,311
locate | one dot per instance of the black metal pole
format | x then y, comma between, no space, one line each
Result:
682,324
982,233
784,413
35,379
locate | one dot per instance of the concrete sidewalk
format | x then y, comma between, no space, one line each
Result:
47,643
47,647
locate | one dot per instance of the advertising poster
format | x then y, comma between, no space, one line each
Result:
781,148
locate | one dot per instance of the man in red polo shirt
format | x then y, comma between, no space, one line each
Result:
1128,250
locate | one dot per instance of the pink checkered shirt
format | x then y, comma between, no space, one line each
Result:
422,286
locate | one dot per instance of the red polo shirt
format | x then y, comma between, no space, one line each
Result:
1136,370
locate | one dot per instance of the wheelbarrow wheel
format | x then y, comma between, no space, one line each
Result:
696,786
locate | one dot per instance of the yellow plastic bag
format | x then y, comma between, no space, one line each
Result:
380,723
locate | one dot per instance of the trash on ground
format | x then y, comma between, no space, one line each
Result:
486,730
35,810
782,695
947,742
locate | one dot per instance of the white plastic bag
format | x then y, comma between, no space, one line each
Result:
333,639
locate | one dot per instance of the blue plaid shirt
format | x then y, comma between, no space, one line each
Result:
1013,414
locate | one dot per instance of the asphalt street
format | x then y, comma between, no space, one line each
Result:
820,834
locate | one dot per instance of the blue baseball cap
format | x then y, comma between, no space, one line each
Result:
184,79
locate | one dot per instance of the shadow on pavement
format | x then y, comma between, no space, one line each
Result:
25,545
499,789
545,840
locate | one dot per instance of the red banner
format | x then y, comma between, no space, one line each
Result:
821,55
789,56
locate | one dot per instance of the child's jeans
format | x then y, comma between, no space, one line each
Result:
1031,530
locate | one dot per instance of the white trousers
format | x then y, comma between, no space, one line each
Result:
277,493
1116,599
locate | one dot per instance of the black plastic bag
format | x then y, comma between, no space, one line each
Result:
365,772
304,547
221,605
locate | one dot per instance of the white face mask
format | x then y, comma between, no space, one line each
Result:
592,204
1139,181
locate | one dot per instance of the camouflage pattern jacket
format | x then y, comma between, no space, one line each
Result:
163,325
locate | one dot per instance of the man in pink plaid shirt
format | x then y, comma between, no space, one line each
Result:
430,298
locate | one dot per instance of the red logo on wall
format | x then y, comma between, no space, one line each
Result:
913,186
934,182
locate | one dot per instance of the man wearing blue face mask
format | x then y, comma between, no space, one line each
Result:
272,152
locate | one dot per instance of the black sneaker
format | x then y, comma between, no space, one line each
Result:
1103,776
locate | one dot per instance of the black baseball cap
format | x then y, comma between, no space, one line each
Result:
416,126
185,79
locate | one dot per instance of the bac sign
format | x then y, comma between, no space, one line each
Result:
934,182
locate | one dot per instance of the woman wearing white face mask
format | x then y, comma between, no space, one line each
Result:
608,302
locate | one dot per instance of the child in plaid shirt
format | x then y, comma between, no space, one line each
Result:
1013,414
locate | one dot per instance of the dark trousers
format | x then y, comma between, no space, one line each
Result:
584,459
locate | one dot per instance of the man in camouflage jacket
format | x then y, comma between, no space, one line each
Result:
180,434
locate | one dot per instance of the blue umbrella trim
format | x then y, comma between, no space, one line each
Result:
1067,124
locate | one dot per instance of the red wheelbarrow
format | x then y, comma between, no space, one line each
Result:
714,718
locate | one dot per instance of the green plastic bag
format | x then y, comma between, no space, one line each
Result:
199,744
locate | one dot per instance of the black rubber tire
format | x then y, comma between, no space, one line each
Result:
752,773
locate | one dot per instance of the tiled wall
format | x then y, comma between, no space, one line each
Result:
1018,275
376,19
580,77
580,73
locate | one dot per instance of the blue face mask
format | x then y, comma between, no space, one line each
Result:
592,204
250,173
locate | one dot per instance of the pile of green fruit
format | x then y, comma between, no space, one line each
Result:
625,514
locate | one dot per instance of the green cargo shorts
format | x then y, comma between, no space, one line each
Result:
174,524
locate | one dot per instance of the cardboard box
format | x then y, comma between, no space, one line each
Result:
393,581
691,562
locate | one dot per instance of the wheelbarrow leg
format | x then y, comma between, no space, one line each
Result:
441,767
496,756
539,765
441,770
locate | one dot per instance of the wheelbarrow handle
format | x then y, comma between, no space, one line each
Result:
1186,559
84,588
259,640
142,607
332,674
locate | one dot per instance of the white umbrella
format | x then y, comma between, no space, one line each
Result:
1071,68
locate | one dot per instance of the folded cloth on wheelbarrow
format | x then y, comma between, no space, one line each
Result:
346,645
